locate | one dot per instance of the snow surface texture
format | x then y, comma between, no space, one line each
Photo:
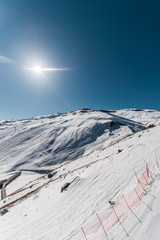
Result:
101,149
45,141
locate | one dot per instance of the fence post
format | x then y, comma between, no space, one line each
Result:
119,221
101,224
144,178
115,213
137,194
139,180
142,201
126,202
147,168
84,233
131,209
4,193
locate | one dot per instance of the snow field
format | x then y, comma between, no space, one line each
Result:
103,173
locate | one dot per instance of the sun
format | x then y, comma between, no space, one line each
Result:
37,69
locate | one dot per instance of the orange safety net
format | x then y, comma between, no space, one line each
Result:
99,226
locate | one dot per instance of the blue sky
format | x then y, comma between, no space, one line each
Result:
111,50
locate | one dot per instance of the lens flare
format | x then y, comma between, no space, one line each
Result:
37,69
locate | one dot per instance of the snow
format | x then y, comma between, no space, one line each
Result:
82,144
46,141
138,115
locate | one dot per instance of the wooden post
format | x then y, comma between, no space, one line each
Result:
4,193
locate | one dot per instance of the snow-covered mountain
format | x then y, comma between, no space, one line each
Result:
97,150
45,141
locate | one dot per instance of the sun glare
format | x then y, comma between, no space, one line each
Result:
37,69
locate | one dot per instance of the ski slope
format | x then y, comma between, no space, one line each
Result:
100,150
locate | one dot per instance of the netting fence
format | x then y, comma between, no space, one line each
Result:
103,221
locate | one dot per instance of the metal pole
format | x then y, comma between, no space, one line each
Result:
102,225
142,201
139,180
84,233
145,178
131,209
120,222
147,168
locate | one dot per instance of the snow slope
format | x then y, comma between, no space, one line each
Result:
49,140
138,115
84,145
